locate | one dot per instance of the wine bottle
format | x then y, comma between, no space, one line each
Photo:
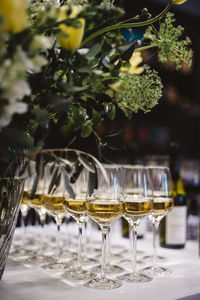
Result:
173,226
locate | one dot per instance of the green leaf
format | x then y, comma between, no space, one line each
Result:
127,112
21,172
110,110
34,187
53,180
66,162
96,118
51,169
127,51
77,120
112,134
86,128
93,51
78,170
105,61
4,192
110,93
92,182
41,116
68,187
86,164
101,168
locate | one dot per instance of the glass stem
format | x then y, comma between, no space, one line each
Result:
133,232
103,257
85,241
130,240
42,234
23,224
80,234
155,243
108,248
68,239
58,252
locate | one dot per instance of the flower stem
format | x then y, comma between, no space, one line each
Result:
126,25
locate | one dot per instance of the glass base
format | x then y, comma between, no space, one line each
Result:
68,255
103,284
118,249
21,254
39,260
113,257
109,269
58,266
150,258
136,277
78,275
87,261
156,271
127,263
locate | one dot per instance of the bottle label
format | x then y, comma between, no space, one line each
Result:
176,226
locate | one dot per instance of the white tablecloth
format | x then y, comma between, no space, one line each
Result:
23,283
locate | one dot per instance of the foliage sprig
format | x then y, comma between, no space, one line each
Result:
172,47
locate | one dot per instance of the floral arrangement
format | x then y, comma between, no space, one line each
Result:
65,66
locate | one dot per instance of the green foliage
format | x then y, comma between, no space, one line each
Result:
170,43
140,92
45,88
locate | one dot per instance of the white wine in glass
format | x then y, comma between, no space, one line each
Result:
138,203
163,203
104,205
76,208
54,204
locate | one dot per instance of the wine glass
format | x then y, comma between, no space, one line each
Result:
74,203
37,182
162,204
53,202
138,203
20,248
104,205
110,269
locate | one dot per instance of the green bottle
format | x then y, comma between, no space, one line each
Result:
173,227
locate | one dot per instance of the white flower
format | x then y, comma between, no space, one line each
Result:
38,61
17,90
40,42
16,107
5,119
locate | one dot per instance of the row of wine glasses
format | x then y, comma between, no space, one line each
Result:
133,192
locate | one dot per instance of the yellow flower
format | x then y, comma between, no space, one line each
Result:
70,37
178,2
13,15
134,61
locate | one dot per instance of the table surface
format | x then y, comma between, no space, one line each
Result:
22,283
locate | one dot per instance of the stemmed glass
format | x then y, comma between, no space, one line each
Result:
138,203
36,202
53,201
75,206
104,205
162,203
110,269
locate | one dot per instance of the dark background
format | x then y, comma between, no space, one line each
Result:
177,116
